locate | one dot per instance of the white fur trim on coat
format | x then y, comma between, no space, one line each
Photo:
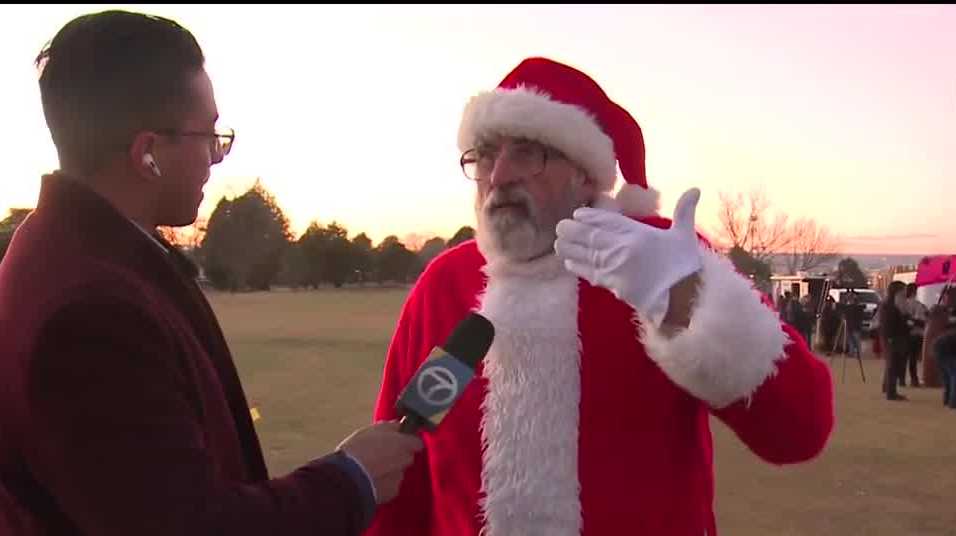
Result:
733,341
534,115
637,201
530,414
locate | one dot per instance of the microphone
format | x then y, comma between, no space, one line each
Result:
443,376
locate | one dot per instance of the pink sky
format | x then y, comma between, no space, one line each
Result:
845,114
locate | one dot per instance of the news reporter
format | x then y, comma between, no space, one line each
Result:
121,411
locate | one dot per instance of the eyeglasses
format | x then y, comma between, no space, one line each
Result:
221,140
527,158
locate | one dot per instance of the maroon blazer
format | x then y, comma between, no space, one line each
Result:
121,412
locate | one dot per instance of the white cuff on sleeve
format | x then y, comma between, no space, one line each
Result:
733,341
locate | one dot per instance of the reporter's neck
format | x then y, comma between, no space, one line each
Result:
118,189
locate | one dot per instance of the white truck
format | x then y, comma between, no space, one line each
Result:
866,296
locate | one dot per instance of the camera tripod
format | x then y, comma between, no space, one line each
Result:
840,341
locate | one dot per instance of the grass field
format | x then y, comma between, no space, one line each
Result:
311,363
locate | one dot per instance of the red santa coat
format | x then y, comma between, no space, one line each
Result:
581,420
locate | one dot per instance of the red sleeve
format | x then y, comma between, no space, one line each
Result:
790,417
408,513
116,439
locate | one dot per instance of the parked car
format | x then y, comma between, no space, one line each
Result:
866,296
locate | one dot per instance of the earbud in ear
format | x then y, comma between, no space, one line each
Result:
149,161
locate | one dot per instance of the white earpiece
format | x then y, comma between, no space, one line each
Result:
148,160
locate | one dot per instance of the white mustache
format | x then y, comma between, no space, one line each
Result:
514,196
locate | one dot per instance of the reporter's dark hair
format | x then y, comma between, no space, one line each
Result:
106,76
910,289
894,288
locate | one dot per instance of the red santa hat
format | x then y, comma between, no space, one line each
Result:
562,107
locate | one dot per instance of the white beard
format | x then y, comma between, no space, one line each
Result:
505,237
516,236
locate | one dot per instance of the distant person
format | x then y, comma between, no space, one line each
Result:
784,307
829,323
121,410
945,348
853,315
916,314
894,335
804,317
941,320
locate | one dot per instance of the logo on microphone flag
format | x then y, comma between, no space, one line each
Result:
436,386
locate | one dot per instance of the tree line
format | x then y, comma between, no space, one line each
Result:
246,244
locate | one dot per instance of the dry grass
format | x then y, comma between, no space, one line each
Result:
311,363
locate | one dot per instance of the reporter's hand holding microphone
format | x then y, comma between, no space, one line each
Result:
386,449
384,452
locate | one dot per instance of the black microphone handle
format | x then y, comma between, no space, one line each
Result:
410,424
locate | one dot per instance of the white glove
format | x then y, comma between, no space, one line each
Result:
639,263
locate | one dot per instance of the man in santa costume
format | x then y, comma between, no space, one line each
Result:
617,334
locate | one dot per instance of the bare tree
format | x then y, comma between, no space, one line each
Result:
746,224
731,232
812,246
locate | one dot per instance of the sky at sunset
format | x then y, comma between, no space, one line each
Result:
843,114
